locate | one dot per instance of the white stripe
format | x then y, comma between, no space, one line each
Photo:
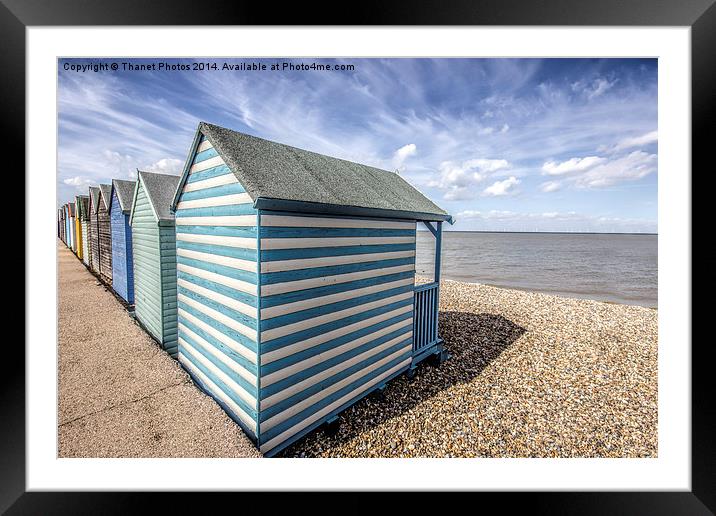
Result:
227,261
292,286
219,317
285,351
225,241
225,359
229,220
292,369
238,411
224,179
305,304
229,342
329,408
206,164
322,222
288,329
294,409
230,382
227,301
243,286
206,144
221,200
342,366
328,261
299,243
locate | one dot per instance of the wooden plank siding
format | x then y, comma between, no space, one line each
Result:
93,230
336,312
85,241
217,286
105,239
122,267
284,318
154,271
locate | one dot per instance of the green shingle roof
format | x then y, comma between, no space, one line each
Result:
160,191
281,177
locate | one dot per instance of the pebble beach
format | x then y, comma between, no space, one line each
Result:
529,375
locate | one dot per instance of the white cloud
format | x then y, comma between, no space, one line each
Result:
593,89
77,181
505,128
631,167
502,187
550,186
165,166
403,153
571,165
459,181
636,141
504,220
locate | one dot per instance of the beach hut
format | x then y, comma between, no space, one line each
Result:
68,232
122,269
104,235
59,223
73,229
82,202
78,227
154,256
62,223
93,230
296,281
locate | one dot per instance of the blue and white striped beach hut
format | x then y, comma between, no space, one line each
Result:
296,281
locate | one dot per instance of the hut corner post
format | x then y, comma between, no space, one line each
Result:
426,341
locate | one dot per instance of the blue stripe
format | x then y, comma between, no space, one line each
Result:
317,252
251,411
230,272
324,384
269,278
285,425
311,293
217,211
233,188
244,232
249,433
204,155
229,312
283,320
292,232
208,173
406,318
232,252
233,334
233,355
298,336
221,289
218,363
327,364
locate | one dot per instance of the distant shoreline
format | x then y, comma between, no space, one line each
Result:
543,232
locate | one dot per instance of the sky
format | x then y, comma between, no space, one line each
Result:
501,144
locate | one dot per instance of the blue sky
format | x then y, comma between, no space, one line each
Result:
502,144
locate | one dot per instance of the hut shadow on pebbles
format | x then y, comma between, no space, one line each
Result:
473,341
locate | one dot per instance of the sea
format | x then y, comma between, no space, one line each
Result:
617,268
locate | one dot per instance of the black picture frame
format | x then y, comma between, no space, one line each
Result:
700,15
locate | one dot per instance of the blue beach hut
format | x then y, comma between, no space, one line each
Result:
296,281
122,268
